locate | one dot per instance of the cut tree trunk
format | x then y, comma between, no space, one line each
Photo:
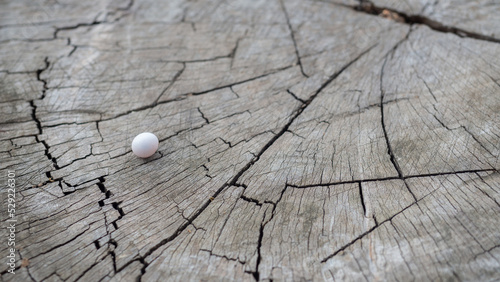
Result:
299,140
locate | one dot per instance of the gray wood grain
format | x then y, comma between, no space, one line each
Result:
299,140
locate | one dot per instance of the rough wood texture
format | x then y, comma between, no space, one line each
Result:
299,140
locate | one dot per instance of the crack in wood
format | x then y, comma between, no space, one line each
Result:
295,96
382,94
222,256
256,273
35,118
391,178
108,194
95,22
362,198
344,247
27,266
39,72
393,159
367,7
184,96
292,35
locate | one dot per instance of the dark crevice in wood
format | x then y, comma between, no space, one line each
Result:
232,55
382,94
113,243
67,123
223,257
390,151
176,76
207,171
369,8
108,194
27,266
75,27
244,186
369,231
178,231
427,86
484,192
85,182
184,62
117,207
88,269
95,22
186,95
241,82
113,258
175,134
7,270
387,220
126,8
295,97
442,124
451,172
39,72
225,142
390,178
69,185
362,198
486,251
63,243
75,159
250,200
256,273
73,50
30,40
119,9
465,129
99,130
37,121
402,235
409,190
292,34
202,115
295,134
111,252
39,126
478,142
234,92
101,186
143,268
51,180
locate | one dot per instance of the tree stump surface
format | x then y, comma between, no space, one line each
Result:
299,140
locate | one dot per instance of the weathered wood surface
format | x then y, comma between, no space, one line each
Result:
299,140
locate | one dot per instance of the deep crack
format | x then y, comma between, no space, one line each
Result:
369,8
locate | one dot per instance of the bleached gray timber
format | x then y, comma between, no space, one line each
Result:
329,140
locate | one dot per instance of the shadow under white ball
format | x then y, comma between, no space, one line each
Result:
145,145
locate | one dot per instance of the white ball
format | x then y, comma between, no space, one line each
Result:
145,145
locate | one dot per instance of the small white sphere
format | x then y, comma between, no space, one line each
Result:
145,145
